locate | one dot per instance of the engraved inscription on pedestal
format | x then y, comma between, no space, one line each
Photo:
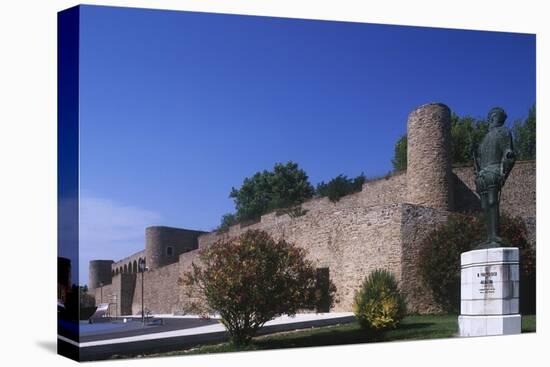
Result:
487,286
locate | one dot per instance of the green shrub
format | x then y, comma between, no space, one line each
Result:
439,259
379,304
340,186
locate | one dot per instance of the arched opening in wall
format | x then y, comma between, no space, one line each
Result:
169,251
125,269
112,273
130,267
116,271
134,267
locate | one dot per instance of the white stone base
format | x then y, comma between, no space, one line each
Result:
489,325
489,292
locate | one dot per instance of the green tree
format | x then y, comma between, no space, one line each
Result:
251,280
399,160
286,186
340,186
525,136
466,133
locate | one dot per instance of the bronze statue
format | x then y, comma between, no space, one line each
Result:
493,162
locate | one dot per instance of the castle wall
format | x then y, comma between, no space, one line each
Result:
120,292
161,290
416,223
353,241
108,291
387,190
350,240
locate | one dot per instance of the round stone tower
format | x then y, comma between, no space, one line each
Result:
429,173
154,246
163,245
99,272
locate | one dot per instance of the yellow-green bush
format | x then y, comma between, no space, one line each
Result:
379,304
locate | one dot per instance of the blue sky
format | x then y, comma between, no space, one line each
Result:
177,107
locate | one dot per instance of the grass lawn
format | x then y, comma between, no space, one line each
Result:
412,328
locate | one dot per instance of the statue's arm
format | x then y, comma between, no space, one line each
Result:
508,158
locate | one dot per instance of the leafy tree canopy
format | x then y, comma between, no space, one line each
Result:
525,142
286,186
466,133
399,159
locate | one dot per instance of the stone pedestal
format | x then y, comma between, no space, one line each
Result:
489,292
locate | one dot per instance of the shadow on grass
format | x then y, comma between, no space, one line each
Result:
350,334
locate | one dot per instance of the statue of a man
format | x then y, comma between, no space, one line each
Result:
493,162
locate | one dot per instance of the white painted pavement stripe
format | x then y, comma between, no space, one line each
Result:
155,336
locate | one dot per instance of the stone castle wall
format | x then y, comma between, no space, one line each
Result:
335,238
416,223
161,290
120,293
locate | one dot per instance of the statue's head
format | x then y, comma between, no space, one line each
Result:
496,117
